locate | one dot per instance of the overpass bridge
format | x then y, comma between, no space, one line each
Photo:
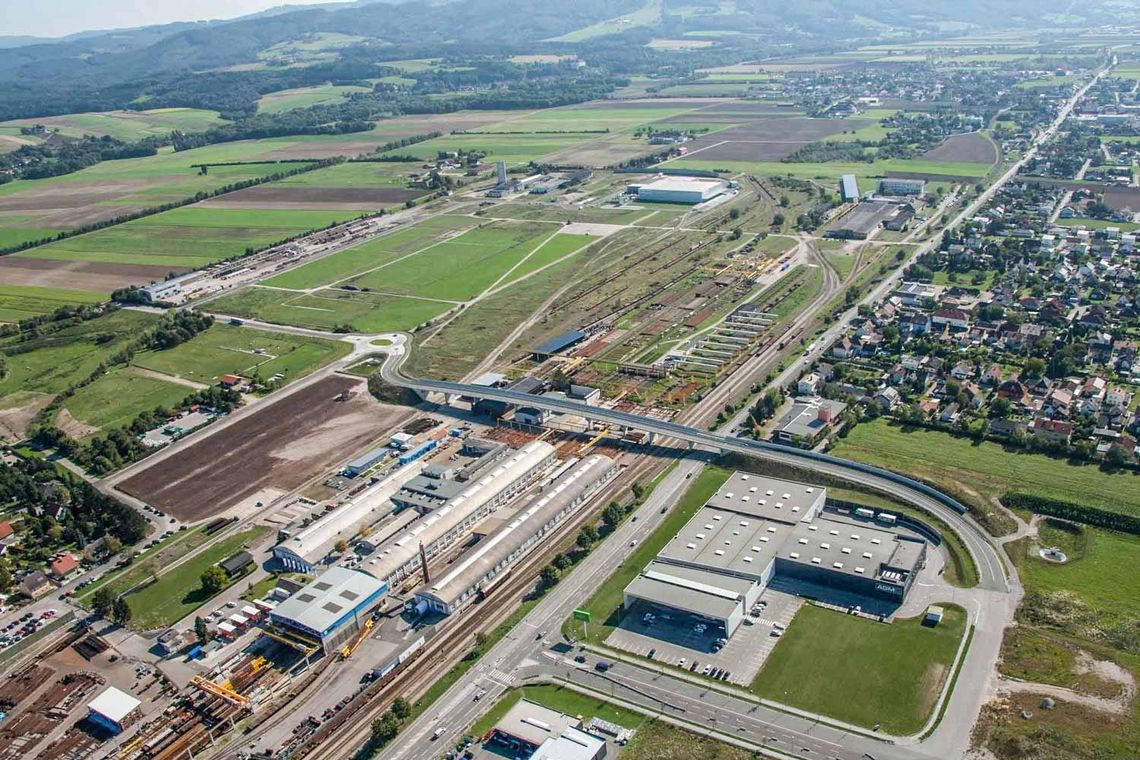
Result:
991,571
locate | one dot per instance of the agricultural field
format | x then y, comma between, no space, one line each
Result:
832,171
984,470
512,148
269,450
356,186
146,250
972,148
874,673
19,302
226,349
303,97
127,126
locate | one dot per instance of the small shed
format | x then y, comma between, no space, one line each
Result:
113,710
933,616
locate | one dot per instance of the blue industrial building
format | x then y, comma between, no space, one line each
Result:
332,608
558,345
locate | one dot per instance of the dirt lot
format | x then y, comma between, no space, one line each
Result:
1122,197
971,148
767,139
278,446
77,275
355,198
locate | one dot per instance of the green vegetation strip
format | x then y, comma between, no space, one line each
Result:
986,468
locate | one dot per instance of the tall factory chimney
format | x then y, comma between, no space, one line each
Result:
423,559
501,172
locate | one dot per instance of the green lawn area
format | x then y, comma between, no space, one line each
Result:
178,592
354,174
303,97
18,302
228,349
462,267
373,253
189,237
861,671
52,363
116,398
325,309
605,603
966,279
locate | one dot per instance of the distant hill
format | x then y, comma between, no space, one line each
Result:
107,70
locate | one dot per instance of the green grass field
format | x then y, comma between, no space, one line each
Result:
51,364
116,398
127,125
986,469
605,603
861,671
190,237
326,309
552,250
227,349
373,253
303,97
19,302
462,267
178,592
1098,224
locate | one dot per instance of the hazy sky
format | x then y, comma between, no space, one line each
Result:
54,18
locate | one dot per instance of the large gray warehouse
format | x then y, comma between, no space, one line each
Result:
688,190
756,527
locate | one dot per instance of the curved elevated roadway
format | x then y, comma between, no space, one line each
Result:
991,571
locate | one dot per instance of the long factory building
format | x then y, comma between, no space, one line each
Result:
444,526
755,528
332,608
486,562
301,552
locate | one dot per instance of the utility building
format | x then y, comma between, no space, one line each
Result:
114,710
891,186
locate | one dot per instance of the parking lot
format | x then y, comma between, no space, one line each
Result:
675,638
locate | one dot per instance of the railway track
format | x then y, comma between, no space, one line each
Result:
343,734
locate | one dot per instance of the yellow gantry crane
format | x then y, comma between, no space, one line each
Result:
348,649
